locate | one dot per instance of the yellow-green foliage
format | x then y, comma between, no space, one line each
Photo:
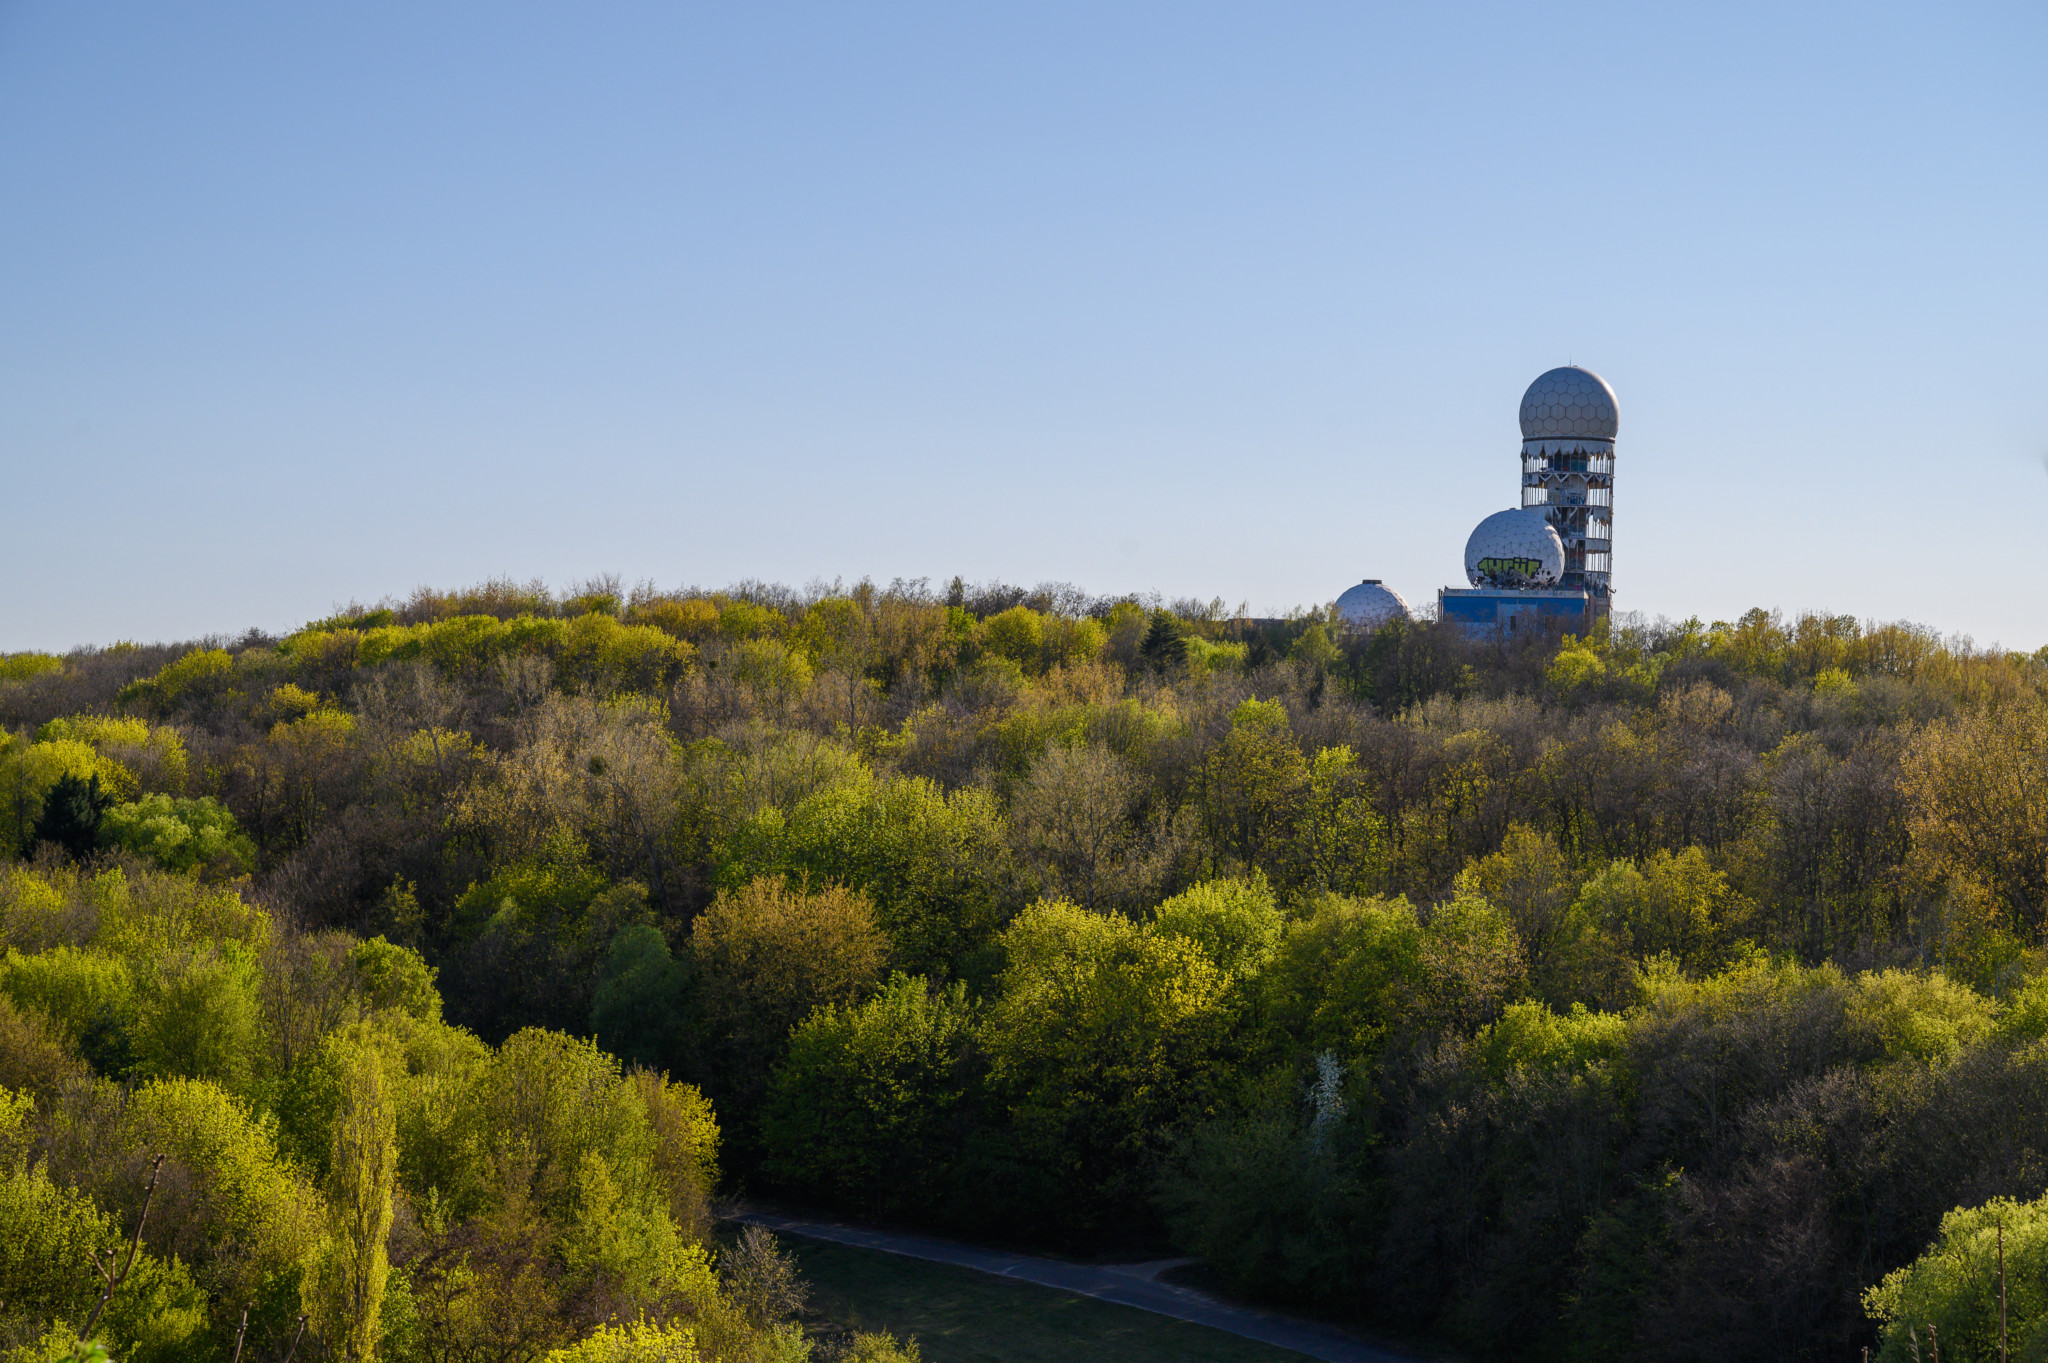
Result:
1896,1014
1576,666
1599,665
686,1132
540,1104
776,674
262,1216
47,1235
1529,1036
1954,1287
625,1241
1037,643
876,1347
153,912
1924,1015
1348,975
593,651
152,756
1206,655
604,657
640,1343
1358,971
928,859
31,909
1755,982
427,1066
1102,1032
1016,738
28,771
689,620
739,620
2026,1013
179,835
75,990
317,731
167,976
1667,905
199,675
860,1106
343,1289
398,977
1236,923
197,1015
1017,634
26,666
292,701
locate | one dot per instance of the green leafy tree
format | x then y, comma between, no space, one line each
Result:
864,1110
1103,1037
347,1272
1252,785
49,1234
1529,879
1236,923
198,1016
936,865
1955,1287
252,1217
1347,977
763,957
179,835
639,1010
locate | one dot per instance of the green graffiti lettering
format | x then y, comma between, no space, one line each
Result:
1521,567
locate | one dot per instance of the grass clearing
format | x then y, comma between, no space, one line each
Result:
961,1316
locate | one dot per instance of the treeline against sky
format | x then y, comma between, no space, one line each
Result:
1673,992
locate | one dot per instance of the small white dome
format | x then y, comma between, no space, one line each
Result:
1371,604
1516,548
1569,402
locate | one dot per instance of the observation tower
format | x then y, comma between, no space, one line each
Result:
1568,426
1550,559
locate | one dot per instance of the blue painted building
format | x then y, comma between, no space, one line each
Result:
1484,609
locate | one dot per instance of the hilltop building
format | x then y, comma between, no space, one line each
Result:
1550,559
1371,604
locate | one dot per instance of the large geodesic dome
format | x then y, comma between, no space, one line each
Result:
1569,402
1371,604
1517,548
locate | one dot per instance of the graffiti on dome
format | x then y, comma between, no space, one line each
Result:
1517,567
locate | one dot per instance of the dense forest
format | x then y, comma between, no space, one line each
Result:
1675,992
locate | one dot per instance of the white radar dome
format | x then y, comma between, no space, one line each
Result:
1516,548
1371,604
1569,402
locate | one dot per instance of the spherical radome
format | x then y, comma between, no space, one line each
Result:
1569,402
1371,604
1516,548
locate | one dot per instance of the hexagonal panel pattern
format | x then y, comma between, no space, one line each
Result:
1569,402
1517,548
1371,604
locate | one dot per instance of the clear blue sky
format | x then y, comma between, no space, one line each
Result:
303,303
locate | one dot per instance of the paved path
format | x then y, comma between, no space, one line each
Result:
1125,1284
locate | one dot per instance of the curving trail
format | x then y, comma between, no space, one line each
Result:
1133,1285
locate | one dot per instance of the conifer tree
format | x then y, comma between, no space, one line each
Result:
71,814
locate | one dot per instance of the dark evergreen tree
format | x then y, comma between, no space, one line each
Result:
71,814
1165,640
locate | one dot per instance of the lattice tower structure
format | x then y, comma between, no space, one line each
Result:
1569,421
